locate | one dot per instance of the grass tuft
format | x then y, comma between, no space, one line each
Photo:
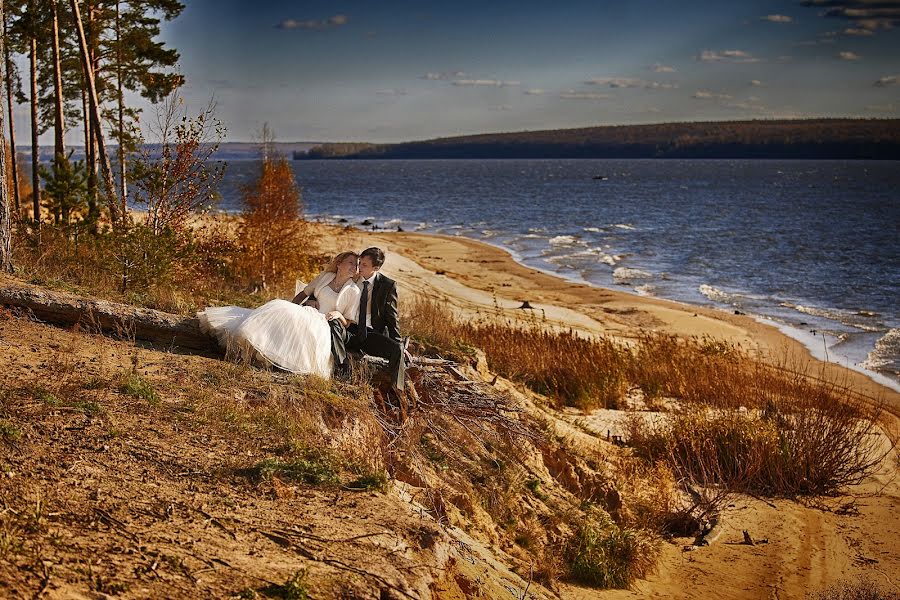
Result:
137,387
313,469
8,431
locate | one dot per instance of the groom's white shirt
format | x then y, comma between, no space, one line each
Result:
368,316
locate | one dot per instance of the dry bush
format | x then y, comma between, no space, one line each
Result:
575,370
176,177
792,448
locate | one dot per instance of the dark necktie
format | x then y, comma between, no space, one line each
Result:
363,306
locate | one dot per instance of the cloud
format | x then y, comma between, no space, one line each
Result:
314,25
730,56
502,107
848,56
864,14
658,68
535,92
755,82
707,95
887,81
777,19
576,95
858,31
443,76
392,92
749,106
625,82
485,83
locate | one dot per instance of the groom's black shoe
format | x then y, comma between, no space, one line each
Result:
342,370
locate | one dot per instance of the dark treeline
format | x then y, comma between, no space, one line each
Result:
784,139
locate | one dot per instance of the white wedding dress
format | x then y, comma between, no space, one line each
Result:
289,336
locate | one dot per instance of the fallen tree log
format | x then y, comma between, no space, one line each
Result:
68,310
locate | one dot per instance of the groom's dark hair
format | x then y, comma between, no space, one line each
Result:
376,255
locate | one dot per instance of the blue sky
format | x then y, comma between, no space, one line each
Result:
390,71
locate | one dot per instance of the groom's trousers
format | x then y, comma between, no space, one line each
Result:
377,344
339,338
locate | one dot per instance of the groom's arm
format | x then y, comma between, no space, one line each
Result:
391,314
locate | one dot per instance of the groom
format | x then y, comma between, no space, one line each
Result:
377,331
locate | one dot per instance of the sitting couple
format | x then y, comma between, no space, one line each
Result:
350,306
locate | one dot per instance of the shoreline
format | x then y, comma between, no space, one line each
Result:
475,278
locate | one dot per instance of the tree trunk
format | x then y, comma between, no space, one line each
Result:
66,309
93,212
5,229
12,128
123,185
116,212
59,124
35,150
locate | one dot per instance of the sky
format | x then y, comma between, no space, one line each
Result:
391,71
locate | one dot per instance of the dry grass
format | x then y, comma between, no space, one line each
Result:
775,430
179,272
574,370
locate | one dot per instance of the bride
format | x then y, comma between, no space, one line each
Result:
287,335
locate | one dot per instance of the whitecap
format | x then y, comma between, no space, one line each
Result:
623,226
625,273
563,240
644,290
715,294
592,229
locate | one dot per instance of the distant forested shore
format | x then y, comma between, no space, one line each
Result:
776,139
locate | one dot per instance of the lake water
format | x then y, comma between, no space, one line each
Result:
811,245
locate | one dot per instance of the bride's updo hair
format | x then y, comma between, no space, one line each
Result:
332,266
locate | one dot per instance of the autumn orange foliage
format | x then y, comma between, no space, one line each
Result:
273,237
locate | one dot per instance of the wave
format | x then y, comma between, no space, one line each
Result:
644,290
593,229
717,295
885,355
625,274
623,226
858,319
563,240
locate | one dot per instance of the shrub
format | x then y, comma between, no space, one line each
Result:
789,449
601,554
272,235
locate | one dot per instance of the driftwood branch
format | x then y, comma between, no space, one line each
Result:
68,310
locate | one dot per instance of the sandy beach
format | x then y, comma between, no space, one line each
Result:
474,278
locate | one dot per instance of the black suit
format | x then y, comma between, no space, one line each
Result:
383,334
